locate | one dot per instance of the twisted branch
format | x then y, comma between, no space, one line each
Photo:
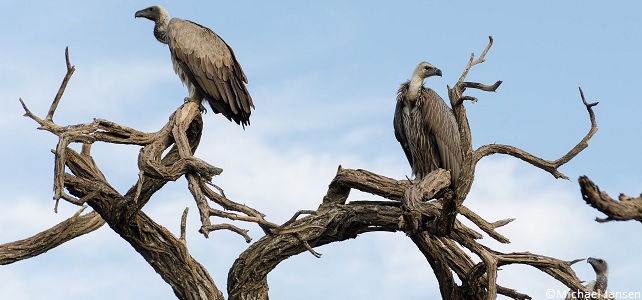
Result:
338,220
464,183
546,165
624,209
42,242
471,157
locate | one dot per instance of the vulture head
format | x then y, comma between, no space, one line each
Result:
422,71
601,271
154,13
425,70
161,19
599,265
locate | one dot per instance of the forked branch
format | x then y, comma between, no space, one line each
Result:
456,95
63,86
337,220
546,165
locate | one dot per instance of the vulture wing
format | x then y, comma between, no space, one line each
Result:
400,130
441,124
203,60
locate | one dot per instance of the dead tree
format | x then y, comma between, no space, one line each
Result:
426,211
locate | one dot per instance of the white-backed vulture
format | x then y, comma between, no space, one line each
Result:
426,128
205,63
598,286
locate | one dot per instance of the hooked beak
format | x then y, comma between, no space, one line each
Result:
438,72
139,14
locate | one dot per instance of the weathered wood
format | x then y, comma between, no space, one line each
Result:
55,236
247,279
467,173
624,209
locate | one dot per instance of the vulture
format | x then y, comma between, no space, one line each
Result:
598,285
204,63
426,128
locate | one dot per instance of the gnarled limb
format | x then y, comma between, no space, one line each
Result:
167,254
471,157
247,278
624,209
467,173
44,241
408,210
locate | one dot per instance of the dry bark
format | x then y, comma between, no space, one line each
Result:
624,209
426,211
44,241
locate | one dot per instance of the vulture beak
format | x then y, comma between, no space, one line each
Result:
438,72
140,13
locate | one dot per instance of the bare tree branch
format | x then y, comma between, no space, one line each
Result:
464,183
167,254
63,86
624,209
546,165
247,278
42,242
336,222
184,224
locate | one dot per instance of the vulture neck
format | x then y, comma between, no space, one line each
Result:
600,282
415,87
160,29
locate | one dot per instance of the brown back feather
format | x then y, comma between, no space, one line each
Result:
210,65
438,141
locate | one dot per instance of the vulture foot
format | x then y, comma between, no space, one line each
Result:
200,103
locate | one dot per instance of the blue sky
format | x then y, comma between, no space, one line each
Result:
323,77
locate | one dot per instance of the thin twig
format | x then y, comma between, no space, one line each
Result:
184,224
63,86
296,215
479,60
209,228
307,246
484,225
546,165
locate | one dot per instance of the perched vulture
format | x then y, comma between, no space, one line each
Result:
205,63
598,285
426,128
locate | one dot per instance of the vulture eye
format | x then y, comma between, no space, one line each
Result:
152,8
